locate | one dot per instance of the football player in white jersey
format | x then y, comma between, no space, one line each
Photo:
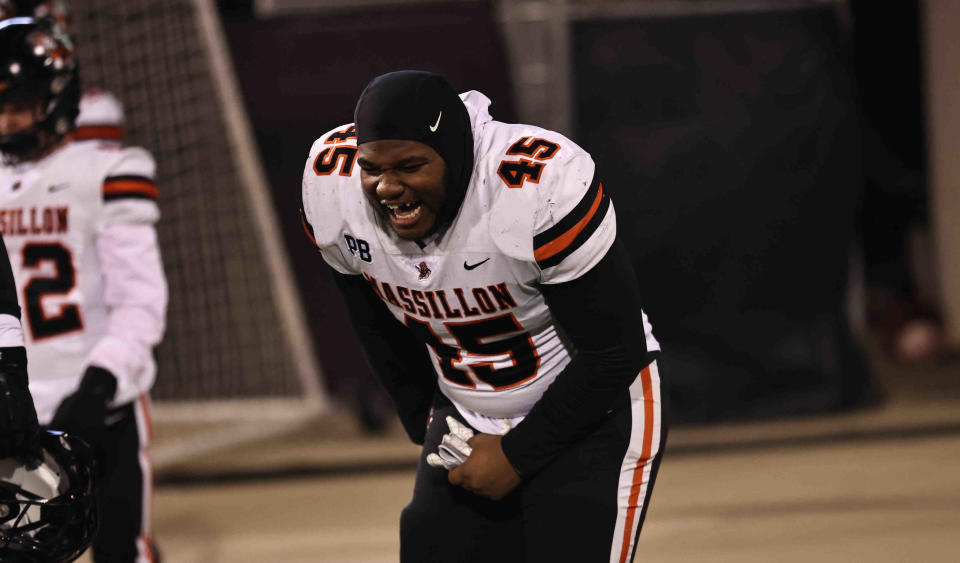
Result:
481,267
78,219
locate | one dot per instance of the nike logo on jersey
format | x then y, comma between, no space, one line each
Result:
472,266
58,187
433,128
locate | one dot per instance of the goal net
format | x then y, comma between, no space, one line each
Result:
236,344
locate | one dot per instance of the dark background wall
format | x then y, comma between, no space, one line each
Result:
887,66
730,146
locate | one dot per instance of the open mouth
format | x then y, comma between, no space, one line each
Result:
404,214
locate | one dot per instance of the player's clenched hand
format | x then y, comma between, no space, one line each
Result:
83,411
453,449
487,472
18,419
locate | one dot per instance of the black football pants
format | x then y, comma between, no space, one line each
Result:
588,505
124,486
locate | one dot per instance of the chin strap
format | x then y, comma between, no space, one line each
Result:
27,144
16,147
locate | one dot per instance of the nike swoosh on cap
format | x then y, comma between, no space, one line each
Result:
433,128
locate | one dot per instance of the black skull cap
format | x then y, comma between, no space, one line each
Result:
421,106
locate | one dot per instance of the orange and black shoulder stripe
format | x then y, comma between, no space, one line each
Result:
138,187
559,241
307,227
103,132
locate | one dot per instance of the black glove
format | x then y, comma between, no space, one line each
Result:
18,417
82,413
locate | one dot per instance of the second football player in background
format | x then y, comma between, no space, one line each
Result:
78,218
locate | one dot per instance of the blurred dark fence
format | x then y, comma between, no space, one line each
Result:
729,144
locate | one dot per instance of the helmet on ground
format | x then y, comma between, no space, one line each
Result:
48,509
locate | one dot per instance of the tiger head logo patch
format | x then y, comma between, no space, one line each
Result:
424,270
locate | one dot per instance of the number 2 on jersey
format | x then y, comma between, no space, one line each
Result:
64,278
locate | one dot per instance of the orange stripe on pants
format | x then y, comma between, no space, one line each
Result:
146,467
641,463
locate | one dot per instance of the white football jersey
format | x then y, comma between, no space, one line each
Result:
11,331
533,214
78,225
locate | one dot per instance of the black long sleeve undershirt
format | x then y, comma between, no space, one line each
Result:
396,357
600,313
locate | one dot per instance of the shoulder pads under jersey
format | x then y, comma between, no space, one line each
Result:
327,174
131,161
538,176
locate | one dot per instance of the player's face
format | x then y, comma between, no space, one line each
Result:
405,181
18,115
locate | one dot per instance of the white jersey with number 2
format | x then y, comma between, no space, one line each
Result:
79,229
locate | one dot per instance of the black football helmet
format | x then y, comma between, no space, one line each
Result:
48,509
56,11
37,62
